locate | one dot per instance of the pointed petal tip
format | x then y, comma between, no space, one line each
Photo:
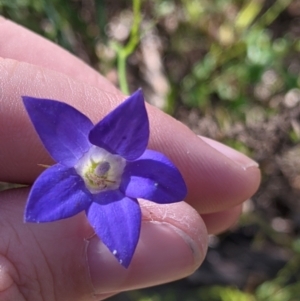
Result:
184,191
27,100
123,259
137,97
125,262
138,94
28,218
24,97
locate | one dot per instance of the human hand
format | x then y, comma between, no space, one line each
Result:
63,260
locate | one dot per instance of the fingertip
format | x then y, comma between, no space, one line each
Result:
219,177
246,178
236,156
219,222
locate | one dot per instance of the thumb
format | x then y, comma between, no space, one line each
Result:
64,260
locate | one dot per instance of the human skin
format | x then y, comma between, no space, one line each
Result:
64,260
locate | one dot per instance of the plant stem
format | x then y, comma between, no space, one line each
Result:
124,51
122,73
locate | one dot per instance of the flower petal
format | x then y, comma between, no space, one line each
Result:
117,223
153,177
59,192
62,129
108,196
124,131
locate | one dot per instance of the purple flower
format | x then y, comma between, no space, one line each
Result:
101,169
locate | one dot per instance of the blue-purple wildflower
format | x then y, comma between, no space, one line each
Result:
101,170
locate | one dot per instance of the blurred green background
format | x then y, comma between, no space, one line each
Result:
229,69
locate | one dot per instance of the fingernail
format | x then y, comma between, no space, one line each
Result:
241,159
163,254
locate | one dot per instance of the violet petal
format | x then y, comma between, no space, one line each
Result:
117,223
108,196
62,129
153,177
124,131
59,192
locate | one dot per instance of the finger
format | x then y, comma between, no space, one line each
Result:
219,222
18,46
23,45
215,181
64,261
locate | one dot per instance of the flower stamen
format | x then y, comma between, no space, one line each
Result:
100,170
97,175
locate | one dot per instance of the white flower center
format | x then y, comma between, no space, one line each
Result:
100,169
